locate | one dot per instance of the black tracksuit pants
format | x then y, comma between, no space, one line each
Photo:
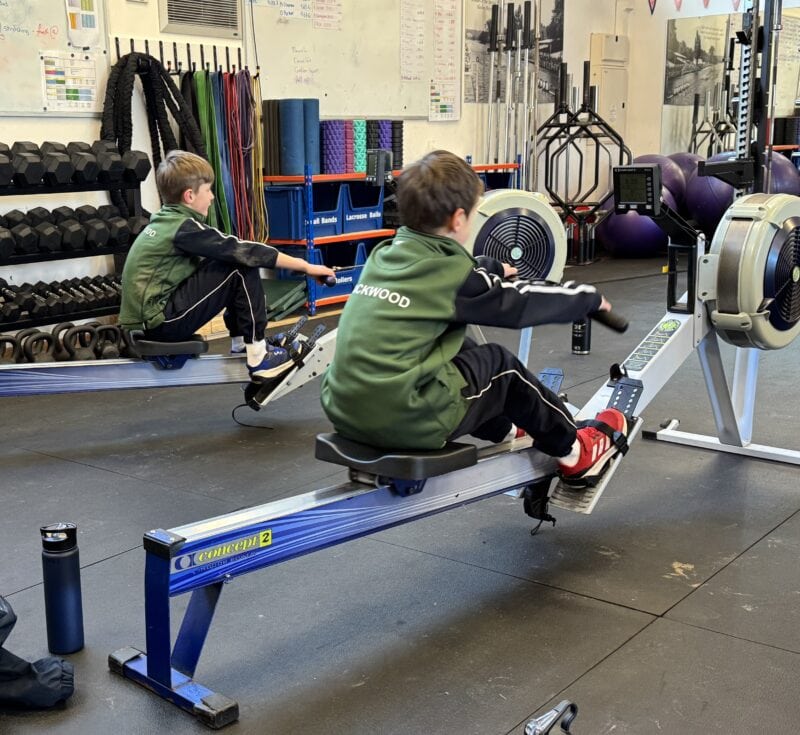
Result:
210,289
500,390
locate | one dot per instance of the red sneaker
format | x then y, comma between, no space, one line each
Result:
597,446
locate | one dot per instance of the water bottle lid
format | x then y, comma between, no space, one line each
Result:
59,536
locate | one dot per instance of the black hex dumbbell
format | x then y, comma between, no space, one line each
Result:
110,162
107,211
25,238
119,232
137,224
85,212
15,217
84,162
73,236
66,302
6,169
105,296
27,163
58,168
13,294
9,311
42,305
49,237
61,214
137,165
64,291
97,234
7,244
37,215
95,297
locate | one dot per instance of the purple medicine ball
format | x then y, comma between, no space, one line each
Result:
633,235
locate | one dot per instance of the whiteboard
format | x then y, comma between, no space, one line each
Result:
361,58
58,66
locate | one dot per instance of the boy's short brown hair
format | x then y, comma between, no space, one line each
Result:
179,171
430,190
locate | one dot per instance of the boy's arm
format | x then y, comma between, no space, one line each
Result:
195,238
487,299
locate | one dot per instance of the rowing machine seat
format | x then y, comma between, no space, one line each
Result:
400,465
149,348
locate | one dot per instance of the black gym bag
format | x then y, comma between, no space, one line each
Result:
25,685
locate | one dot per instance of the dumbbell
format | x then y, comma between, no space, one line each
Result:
48,237
84,163
58,168
73,236
27,163
104,296
137,224
6,169
97,234
37,215
66,300
15,217
41,305
7,244
137,165
61,214
64,291
107,211
26,239
96,297
85,212
119,232
9,311
110,162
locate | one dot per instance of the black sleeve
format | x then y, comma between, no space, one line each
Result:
490,265
487,299
195,238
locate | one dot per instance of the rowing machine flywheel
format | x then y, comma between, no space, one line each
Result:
757,244
522,229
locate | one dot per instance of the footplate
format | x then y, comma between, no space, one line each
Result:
583,500
310,361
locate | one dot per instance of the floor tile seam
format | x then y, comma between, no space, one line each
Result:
738,556
733,636
82,568
560,694
539,583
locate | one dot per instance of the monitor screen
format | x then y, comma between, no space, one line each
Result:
632,188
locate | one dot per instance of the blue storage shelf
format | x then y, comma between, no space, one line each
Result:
363,207
286,208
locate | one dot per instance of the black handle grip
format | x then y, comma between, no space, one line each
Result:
527,37
493,28
563,82
510,28
329,281
696,108
587,82
611,320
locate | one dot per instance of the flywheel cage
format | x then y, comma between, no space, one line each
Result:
520,238
782,276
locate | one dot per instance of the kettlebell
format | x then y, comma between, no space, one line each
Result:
22,336
39,347
108,342
80,342
86,337
8,357
59,351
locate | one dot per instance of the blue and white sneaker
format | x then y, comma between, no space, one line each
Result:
280,340
275,362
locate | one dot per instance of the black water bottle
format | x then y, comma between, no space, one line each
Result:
62,588
581,337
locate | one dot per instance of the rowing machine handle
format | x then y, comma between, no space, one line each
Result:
611,320
328,281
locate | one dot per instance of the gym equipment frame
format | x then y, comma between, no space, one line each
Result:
726,294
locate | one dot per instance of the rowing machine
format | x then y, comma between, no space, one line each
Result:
386,489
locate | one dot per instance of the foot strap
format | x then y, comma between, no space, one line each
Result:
618,439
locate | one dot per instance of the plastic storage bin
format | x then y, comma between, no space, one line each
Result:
286,207
363,207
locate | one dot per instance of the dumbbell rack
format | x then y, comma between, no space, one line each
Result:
134,201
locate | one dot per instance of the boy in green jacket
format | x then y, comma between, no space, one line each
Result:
180,272
404,376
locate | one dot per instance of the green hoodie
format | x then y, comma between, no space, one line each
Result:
392,382
154,268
